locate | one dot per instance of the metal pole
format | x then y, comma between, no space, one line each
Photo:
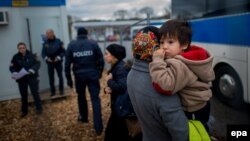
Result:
148,19
120,31
29,36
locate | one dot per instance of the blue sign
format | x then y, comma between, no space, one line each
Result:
9,3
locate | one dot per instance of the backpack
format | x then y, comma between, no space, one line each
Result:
197,131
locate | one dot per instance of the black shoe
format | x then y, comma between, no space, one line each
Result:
23,115
82,120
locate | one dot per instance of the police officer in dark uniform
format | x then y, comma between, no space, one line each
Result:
88,63
24,68
53,53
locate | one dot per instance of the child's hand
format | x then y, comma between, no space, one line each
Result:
159,54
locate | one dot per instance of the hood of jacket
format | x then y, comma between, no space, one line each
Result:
199,61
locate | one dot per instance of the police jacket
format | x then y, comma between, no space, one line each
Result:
53,49
85,55
29,62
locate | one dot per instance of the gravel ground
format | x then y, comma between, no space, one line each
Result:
58,121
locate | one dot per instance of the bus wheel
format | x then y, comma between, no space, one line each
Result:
227,87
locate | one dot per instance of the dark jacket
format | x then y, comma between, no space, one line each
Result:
118,84
85,55
52,49
29,62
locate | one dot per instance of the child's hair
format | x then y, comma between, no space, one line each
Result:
177,29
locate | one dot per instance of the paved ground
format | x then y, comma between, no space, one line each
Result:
224,115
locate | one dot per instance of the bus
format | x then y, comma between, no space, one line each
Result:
227,38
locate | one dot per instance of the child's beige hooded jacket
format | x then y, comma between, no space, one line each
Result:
189,74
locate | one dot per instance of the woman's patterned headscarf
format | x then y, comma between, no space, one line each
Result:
145,41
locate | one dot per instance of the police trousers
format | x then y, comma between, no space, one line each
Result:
51,71
90,80
23,84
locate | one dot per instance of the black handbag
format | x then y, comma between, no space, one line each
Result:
123,106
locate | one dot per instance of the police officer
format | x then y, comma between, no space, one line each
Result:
24,68
53,53
88,63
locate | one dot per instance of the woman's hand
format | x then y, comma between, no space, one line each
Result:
107,90
109,77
